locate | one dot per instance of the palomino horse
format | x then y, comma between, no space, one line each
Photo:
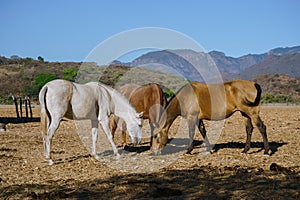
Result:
147,99
198,101
94,101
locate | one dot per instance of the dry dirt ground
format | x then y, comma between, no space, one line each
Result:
225,174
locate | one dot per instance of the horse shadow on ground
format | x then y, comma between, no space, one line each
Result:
274,146
72,159
14,120
176,145
138,149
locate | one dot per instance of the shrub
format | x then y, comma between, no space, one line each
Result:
39,81
168,93
280,98
69,74
42,78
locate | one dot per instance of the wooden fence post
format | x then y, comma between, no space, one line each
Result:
16,105
29,104
26,106
21,112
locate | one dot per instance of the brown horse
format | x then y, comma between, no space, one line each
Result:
148,99
198,101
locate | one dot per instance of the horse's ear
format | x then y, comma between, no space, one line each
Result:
140,115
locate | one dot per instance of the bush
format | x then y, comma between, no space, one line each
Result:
280,98
39,81
42,78
168,93
69,74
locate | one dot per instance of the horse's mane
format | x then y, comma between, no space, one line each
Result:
115,95
174,96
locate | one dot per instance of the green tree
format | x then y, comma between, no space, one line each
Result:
168,93
69,74
42,78
39,81
40,58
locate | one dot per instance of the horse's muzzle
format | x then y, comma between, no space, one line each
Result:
136,141
156,151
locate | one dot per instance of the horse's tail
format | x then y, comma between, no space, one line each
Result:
44,111
258,96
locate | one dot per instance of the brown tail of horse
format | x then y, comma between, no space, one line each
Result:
44,112
258,96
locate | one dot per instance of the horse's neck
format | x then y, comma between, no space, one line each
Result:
121,107
171,113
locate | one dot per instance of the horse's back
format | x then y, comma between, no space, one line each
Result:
217,101
234,91
127,89
144,98
149,95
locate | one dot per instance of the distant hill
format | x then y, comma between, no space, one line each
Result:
168,62
286,64
231,66
279,84
284,50
276,70
279,60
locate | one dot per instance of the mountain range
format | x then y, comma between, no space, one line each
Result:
186,63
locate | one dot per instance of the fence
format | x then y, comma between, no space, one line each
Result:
27,105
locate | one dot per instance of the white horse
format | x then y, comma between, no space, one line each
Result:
94,101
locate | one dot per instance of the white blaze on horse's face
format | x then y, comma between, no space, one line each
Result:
135,128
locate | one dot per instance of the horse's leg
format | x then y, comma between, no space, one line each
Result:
263,130
152,126
114,125
202,130
249,129
191,124
105,126
124,134
94,137
48,138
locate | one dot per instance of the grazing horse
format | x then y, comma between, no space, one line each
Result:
197,101
148,99
94,101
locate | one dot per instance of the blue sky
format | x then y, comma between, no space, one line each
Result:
66,30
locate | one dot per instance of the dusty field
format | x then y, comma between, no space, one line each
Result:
225,174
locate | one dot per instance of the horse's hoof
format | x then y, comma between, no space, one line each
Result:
212,151
50,162
97,157
266,154
244,151
118,156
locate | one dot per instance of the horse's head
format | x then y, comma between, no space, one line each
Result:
134,127
160,139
